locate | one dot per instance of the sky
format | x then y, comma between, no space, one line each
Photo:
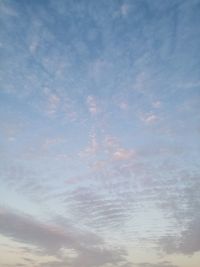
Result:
99,133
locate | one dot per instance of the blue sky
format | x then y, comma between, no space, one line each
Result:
100,133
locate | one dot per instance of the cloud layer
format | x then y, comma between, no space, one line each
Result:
99,133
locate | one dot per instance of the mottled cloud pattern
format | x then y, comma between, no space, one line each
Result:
100,133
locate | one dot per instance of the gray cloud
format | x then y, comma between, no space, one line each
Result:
182,203
160,264
50,239
187,243
25,228
99,257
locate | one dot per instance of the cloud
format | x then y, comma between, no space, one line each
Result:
124,9
111,143
71,69
123,154
99,257
26,229
92,105
61,263
91,257
52,142
157,104
187,243
149,118
11,130
116,151
160,264
98,70
141,81
123,105
8,10
189,85
92,148
52,239
53,104
56,103
182,205
96,208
